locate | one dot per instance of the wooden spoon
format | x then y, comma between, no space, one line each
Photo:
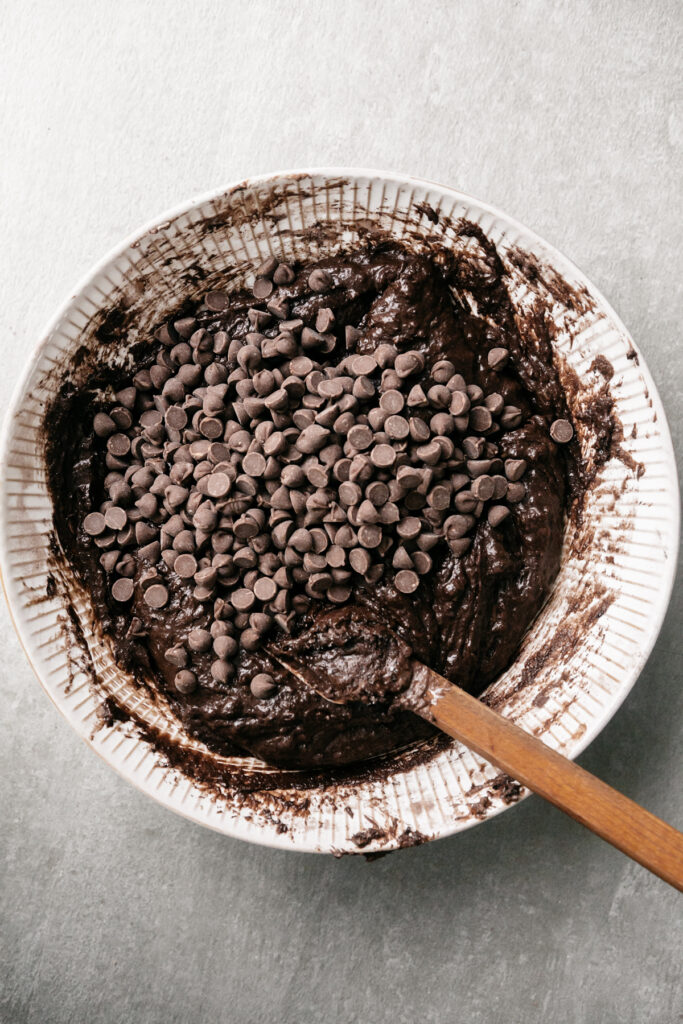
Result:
611,815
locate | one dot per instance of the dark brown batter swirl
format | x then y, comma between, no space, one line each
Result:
468,615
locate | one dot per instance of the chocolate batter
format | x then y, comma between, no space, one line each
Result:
469,613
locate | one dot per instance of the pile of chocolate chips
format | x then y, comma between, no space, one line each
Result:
273,469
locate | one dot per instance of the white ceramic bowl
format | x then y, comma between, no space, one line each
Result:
578,661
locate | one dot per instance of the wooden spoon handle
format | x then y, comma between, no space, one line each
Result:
611,815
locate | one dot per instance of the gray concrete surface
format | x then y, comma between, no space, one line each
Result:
569,117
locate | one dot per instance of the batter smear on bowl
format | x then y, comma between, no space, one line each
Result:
359,459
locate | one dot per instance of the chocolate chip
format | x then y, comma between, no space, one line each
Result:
108,559
465,501
207,577
205,517
561,431
497,358
150,552
363,388
126,397
480,418
301,366
185,327
397,428
516,492
460,403
494,403
478,467
103,425
360,437
262,686
419,430
401,559
122,590
176,656
175,418
359,560
118,445
369,535
429,453
474,448
225,647
460,546
94,524
406,581
301,540
377,492
254,464
211,427
409,528
442,371
439,396
483,487
217,301
515,469
250,639
422,562
367,513
126,567
362,366
500,487
417,398
392,402
511,417
267,268
283,275
219,484
245,528
383,456
349,493
262,288
312,439
497,515
122,418
221,671
106,541
148,505
439,497
324,320
265,589
319,280
441,424
409,363
259,320
156,596
242,600
199,640
351,337
185,681
330,388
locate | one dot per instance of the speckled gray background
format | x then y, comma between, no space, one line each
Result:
569,117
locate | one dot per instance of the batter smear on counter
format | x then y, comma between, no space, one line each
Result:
360,460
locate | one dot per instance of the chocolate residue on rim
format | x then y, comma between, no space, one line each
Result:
601,364
427,211
573,297
403,839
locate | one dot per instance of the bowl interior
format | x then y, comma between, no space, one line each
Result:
580,657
